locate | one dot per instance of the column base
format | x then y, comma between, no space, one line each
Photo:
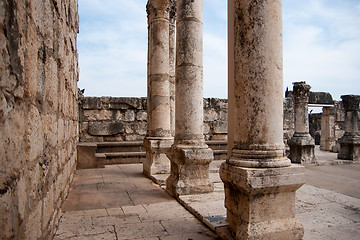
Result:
349,147
260,202
157,161
189,170
302,149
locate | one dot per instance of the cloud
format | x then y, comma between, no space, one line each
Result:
322,45
113,47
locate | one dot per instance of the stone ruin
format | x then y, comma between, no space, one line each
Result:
41,123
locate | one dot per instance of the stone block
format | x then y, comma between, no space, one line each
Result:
105,128
33,228
6,217
260,202
129,116
189,171
220,127
156,160
97,115
141,128
34,134
141,116
48,208
210,115
86,155
22,198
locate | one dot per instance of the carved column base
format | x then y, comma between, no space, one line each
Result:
260,202
157,161
302,149
189,170
349,147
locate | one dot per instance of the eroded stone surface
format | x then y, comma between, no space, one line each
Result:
259,181
350,142
301,145
190,156
38,114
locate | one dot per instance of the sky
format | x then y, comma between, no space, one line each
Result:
321,40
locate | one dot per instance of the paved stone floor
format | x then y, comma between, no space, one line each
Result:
118,202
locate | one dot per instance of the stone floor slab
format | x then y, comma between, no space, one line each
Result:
140,230
118,202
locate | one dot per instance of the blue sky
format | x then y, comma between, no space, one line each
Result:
321,46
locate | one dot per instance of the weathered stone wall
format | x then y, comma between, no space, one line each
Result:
215,119
110,119
124,119
38,113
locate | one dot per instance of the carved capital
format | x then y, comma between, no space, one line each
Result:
159,9
351,102
301,91
172,11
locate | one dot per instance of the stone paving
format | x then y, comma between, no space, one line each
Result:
119,202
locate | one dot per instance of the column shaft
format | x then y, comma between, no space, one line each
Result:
259,181
327,132
258,85
159,135
172,54
190,156
350,142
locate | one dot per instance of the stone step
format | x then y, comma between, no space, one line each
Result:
134,151
217,144
137,146
220,154
123,157
128,146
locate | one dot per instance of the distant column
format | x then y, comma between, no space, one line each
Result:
260,182
350,142
302,145
327,140
159,135
190,156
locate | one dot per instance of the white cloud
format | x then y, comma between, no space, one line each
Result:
322,46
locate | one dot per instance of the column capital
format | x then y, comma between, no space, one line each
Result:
172,11
351,102
301,91
159,9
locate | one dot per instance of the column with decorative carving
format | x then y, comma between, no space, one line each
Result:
302,145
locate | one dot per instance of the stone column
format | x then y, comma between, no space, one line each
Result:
350,142
172,54
159,135
190,156
259,180
327,129
301,144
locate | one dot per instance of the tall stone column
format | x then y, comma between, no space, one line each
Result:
172,53
190,156
302,145
327,129
260,182
350,142
159,134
